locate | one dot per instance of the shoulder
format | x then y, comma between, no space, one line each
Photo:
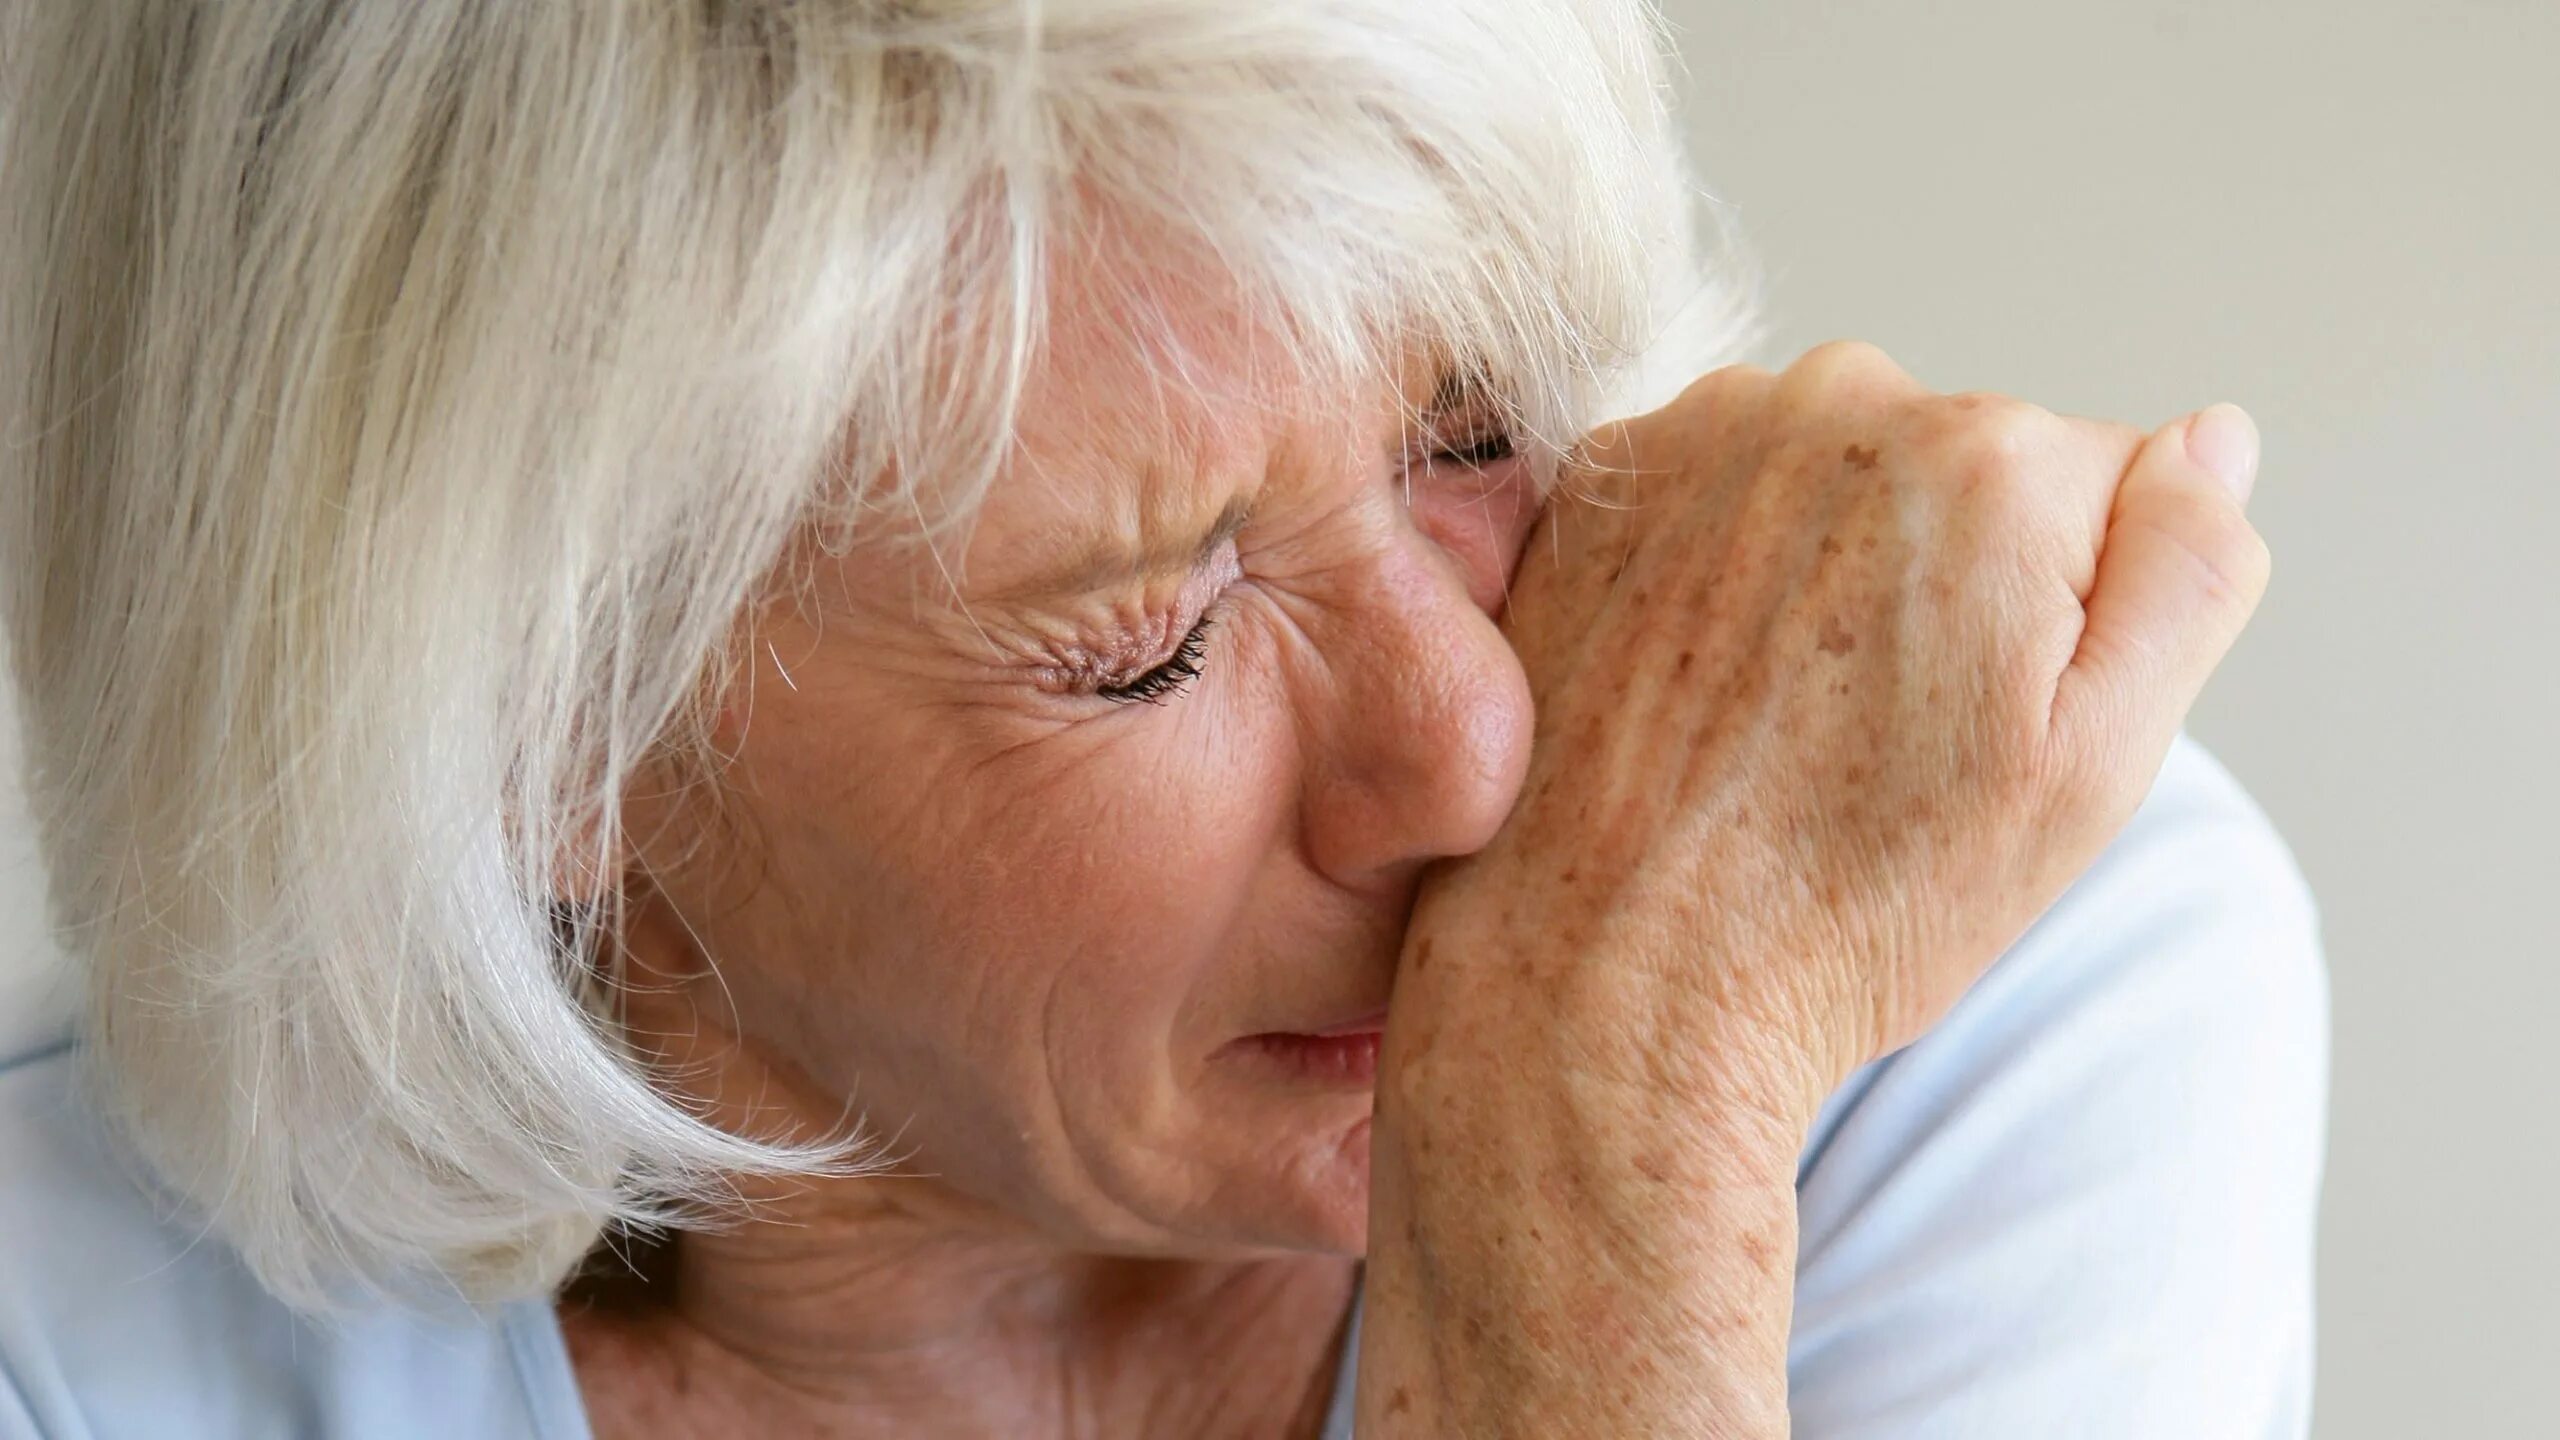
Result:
118,1319
2094,1184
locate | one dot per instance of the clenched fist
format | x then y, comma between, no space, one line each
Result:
1839,683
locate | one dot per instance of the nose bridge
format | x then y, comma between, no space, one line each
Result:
1427,727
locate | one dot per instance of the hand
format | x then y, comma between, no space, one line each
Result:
1839,682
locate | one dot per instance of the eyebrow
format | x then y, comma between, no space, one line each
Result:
1103,565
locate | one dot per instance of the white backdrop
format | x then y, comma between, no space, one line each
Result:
2345,215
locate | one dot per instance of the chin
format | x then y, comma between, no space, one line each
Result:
1307,1194
1265,1162
1285,1118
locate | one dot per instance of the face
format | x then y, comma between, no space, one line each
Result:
1077,856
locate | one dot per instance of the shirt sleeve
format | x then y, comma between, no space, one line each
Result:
2084,1204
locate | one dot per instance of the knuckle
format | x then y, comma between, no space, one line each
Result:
1725,381
1981,434
2000,456
1843,365
1844,354
1711,404
2012,436
1977,402
1998,461
1970,410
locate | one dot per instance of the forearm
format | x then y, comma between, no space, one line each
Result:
1562,1243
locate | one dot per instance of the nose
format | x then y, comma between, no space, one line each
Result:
1424,738
1479,520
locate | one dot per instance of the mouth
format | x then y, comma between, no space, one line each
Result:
1341,1056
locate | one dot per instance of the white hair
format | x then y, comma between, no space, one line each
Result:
401,401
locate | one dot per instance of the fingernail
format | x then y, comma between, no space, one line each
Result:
2224,440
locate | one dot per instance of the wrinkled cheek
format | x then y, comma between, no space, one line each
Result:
1110,865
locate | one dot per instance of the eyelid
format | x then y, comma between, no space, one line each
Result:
1477,449
1170,676
1148,637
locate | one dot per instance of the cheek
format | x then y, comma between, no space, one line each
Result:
949,917
1114,859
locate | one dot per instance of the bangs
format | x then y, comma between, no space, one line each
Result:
1491,183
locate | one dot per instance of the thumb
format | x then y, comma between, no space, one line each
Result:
2179,574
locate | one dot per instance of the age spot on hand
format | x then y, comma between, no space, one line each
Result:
1835,640
1859,457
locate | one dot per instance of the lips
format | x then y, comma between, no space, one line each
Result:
1343,1054
1348,1060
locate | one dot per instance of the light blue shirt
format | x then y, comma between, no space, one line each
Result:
2083,1205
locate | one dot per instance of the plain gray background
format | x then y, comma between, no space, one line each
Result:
2342,215
2346,217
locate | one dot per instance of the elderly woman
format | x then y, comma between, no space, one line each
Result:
843,718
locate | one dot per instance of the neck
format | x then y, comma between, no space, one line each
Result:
893,1305
856,1322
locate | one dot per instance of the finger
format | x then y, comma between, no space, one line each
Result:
2104,450
2180,573
2077,466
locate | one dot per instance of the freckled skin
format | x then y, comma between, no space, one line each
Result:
1776,820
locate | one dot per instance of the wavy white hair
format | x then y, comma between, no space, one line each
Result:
404,399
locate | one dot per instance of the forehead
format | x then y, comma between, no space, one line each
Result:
1148,397
1155,404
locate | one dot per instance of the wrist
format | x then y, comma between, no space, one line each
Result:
1486,1033
1563,1241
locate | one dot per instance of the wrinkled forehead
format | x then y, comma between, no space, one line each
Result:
1155,399
1150,384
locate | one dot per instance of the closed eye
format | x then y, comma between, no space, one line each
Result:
1167,679
1490,450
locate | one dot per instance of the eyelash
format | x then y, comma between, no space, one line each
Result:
1492,449
1168,679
